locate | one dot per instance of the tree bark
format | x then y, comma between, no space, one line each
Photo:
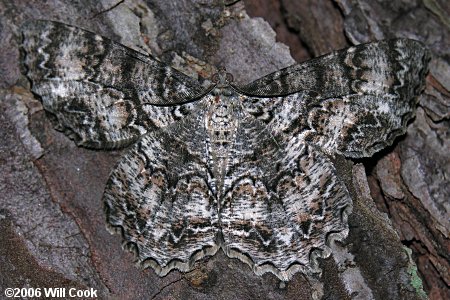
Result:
52,224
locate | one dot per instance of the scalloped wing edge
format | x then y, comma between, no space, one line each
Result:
408,116
283,275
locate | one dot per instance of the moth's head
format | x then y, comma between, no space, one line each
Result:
222,78
222,84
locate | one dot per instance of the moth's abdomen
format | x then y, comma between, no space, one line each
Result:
221,122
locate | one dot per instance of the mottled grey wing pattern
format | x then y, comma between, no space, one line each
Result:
283,205
354,101
103,94
285,202
280,204
244,168
159,196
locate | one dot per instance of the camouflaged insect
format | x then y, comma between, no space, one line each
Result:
243,168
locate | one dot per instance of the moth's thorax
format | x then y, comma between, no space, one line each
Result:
222,118
222,123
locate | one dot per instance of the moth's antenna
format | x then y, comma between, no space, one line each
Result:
230,3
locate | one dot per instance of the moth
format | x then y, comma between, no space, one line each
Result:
243,168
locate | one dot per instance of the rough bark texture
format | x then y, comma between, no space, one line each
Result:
52,227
